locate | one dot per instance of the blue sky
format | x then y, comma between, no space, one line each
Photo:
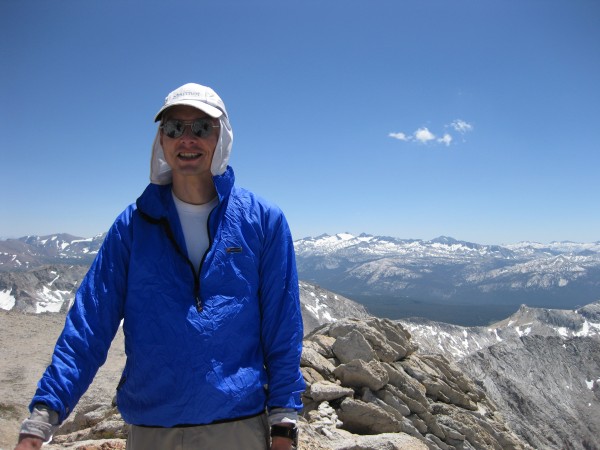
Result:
478,120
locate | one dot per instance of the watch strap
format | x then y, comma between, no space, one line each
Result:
286,432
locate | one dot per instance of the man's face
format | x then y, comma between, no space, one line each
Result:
189,155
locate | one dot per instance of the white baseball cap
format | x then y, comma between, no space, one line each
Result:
197,96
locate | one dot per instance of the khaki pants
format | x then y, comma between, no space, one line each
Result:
245,434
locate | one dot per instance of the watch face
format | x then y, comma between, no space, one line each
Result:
286,432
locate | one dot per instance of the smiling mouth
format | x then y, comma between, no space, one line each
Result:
189,156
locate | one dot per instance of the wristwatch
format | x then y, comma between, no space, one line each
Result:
286,432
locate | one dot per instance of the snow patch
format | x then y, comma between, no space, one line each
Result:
52,282
318,310
328,317
585,330
563,331
82,240
498,338
51,300
7,301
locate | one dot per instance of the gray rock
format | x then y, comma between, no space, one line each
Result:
310,358
326,391
325,344
384,441
359,373
407,386
390,395
377,340
366,418
353,346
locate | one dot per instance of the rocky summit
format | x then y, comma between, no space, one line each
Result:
368,388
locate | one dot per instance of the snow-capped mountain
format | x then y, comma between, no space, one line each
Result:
441,279
32,251
447,271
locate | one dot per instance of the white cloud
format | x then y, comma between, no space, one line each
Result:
424,135
446,139
461,126
399,136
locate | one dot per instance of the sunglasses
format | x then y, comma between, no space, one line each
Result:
201,128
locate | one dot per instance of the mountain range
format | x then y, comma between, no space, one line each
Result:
441,279
449,280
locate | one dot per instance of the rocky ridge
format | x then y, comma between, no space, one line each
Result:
457,342
366,381
547,387
320,306
46,288
540,366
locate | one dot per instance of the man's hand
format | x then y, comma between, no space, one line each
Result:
29,443
281,443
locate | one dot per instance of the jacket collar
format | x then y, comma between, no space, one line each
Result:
157,201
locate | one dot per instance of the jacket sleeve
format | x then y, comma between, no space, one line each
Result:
281,328
90,325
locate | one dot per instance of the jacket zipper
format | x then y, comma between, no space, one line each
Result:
199,305
167,227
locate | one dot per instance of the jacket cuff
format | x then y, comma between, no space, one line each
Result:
282,415
42,423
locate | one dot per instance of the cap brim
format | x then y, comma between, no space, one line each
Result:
208,109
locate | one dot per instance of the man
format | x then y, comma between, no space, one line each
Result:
203,275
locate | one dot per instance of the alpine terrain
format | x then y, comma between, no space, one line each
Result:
448,280
530,380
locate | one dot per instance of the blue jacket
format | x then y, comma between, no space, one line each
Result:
220,344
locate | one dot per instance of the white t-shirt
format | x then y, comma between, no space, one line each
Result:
194,220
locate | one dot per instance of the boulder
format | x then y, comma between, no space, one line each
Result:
326,390
358,373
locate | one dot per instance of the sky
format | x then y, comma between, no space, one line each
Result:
474,119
